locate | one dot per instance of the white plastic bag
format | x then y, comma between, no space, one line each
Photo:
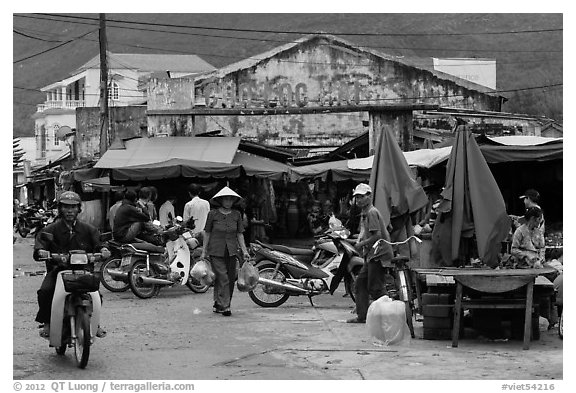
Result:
247,277
386,321
202,271
334,223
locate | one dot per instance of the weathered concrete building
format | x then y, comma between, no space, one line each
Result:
317,91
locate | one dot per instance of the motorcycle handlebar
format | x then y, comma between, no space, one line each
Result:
64,258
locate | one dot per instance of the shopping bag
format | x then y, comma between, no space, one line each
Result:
202,271
386,321
247,277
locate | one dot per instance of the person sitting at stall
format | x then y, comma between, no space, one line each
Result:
528,245
315,219
132,223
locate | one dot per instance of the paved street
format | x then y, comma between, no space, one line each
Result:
175,336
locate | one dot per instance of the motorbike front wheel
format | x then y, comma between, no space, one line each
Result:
265,296
82,341
350,283
108,281
23,231
143,291
195,285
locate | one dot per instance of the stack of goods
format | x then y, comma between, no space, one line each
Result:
437,310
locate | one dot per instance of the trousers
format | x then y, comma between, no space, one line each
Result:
370,285
226,271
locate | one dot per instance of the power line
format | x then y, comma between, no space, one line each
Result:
34,38
309,32
53,48
295,42
304,62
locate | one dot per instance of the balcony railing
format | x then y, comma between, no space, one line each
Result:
68,104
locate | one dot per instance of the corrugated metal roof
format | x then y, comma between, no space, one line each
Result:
152,62
410,62
143,151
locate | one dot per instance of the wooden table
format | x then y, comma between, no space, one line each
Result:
487,281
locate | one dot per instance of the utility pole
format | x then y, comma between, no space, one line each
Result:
103,87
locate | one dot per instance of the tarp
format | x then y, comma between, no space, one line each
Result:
338,169
424,158
188,157
471,205
150,151
395,191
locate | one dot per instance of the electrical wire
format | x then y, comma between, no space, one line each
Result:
308,32
53,48
295,42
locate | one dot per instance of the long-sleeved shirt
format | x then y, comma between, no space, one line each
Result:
126,215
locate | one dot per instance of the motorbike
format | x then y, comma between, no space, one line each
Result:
149,267
282,275
112,277
76,306
31,220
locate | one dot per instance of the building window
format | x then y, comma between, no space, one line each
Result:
113,91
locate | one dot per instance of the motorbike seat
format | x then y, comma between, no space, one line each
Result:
292,250
147,247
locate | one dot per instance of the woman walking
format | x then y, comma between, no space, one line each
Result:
223,240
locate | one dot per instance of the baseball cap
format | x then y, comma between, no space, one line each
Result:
532,194
69,198
362,189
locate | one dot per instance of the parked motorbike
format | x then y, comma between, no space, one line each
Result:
76,305
283,275
152,267
31,220
112,276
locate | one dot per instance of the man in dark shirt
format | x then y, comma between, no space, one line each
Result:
132,222
67,234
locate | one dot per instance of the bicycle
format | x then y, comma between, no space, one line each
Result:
403,288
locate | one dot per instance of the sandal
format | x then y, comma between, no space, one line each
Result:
356,320
45,331
101,333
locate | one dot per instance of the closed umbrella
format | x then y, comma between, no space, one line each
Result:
396,194
472,205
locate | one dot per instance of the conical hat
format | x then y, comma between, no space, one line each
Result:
226,191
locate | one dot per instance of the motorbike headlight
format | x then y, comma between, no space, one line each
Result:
78,259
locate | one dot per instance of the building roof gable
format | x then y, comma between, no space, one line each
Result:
420,64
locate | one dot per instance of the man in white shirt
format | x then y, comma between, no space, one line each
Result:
196,209
166,213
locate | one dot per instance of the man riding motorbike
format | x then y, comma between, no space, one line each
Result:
68,233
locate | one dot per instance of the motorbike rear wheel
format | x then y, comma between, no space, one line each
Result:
108,281
82,341
259,295
143,291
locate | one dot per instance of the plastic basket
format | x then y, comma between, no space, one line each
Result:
81,282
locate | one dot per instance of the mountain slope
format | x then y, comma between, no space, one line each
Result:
523,60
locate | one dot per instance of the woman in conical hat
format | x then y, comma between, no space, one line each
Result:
223,238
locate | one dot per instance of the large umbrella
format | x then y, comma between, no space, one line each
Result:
472,205
396,193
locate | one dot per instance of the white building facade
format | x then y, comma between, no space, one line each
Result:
127,85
